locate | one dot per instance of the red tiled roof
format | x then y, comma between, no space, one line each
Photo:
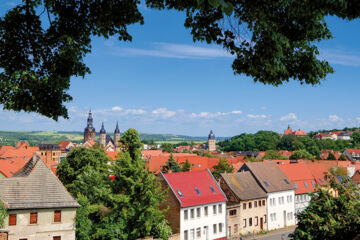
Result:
113,154
355,151
299,133
318,171
299,173
64,144
186,182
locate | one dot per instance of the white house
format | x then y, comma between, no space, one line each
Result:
280,193
39,207
197,205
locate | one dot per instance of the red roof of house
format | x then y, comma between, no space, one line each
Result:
355,151
184,184
112,155
299,133
318,171
325,154
64,144
299,175
288,131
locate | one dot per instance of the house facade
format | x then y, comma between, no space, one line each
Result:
246,206
197,205
39,207
303,181
280,193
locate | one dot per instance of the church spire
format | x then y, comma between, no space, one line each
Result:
102,130
117,130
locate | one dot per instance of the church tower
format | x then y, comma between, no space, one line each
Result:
89,132
211,144
102,136
117,135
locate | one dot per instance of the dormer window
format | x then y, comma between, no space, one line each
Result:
296,186
212,189
266,183
307,187
197,190
312,182
180,193
287,181
322,181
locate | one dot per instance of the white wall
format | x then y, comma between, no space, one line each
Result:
45,228
275,211
301,202
204,222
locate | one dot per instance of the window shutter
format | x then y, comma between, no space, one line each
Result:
57,216
33,218
12,219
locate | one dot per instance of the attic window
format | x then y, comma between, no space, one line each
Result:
267,184
312,182
307,187
212,189
180,193
197,190
287,181
296,186
321,180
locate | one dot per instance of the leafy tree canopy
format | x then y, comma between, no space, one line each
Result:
80,160
3,214
186,166
43,42
331,156
167,147
222,166
329,217
272,154
301,154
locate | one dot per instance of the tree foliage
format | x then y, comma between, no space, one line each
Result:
222,166
186,166
167,147
329,217
272,154
171,166
124,208
43,42
301,154
3,214
331,156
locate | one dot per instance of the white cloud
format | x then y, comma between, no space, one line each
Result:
117,108
236,112
163,112
289,117
340,57
135,111
171,50
358,119
256,116
334,118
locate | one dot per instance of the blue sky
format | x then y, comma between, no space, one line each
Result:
163,82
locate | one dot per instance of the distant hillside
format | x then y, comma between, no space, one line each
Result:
35,137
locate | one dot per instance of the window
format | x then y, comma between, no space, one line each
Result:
290,198
12,219
250,222
266,183
232,212
244,223
312,182
57,238
212,189
220,208
214,209
255,204
192,213
197,191
256,221
214,228
198,232
180,193
236,228
259,203
229,231
186,215
33,218
263,202
265,218
220,227
287,181
322,181
250,205
296,186
307,187
186,236
205,211
244,206
57,216
198,213
192,234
